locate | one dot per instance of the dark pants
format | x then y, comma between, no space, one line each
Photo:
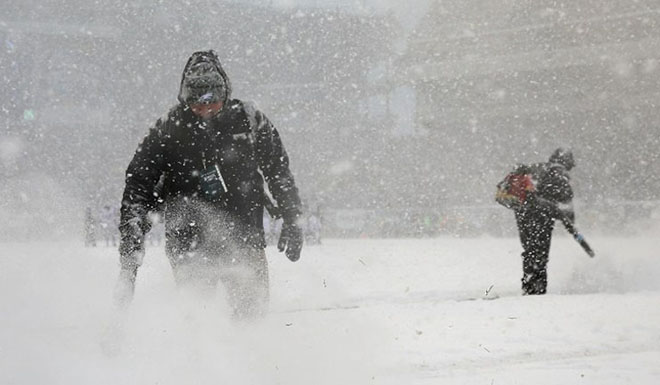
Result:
206,249
535,229
244,274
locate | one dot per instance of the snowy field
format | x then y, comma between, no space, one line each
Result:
349,312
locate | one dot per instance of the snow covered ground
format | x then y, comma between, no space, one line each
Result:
349,312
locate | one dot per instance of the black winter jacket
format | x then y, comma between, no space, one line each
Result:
165,173
553,193
554,184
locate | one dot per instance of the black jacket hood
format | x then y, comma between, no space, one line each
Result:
205,57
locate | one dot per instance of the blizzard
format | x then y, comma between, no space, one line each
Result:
351,311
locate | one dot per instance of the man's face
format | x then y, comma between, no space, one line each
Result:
206,110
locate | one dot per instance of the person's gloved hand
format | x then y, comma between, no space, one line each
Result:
291,239
131,254
570,214
566,210
125,287
131,260
131,245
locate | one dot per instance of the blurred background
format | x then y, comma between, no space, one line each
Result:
399,117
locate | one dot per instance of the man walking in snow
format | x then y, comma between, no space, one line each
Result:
204,166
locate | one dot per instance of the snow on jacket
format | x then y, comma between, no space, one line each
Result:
553,193
165,172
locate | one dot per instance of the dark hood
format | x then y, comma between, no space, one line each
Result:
202,74
563,157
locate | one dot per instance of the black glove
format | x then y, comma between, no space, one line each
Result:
131,254
131,245
291,238
125,287
569,214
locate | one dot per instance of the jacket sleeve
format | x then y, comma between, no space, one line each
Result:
556,186
139,197
274,164
556,194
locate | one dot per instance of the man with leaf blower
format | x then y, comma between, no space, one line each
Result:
539,194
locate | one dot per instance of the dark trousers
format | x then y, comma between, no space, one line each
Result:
205,246
535,230
242,270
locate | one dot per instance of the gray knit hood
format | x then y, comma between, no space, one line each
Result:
204,80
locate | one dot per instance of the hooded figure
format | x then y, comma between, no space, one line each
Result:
203,166
536,218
